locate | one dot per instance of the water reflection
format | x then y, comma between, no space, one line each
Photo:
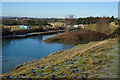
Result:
18,51
9,62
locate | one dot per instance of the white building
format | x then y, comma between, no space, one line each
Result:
80,25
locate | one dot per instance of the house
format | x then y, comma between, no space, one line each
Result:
80,25
112,23
49,25
76,26
24,26
69,26
16,27
57,24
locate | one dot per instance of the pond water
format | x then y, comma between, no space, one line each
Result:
19,51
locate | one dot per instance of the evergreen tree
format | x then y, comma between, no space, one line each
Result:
112,19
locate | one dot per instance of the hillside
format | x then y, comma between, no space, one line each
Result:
116,33
93,60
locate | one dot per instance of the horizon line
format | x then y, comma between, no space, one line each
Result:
57,17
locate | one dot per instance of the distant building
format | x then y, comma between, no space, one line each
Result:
24,26
76,26
55,24
112,23
80,25
16,27
49,25
69,26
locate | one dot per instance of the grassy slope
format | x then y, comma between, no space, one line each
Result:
93,27
96,59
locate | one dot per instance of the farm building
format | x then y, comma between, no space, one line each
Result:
112,23
80,25
16,27
24,26
57,24
69,26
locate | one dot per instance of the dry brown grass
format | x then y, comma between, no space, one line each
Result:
63,56
79,35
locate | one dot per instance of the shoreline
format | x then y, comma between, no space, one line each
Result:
30,34
35,34
56,58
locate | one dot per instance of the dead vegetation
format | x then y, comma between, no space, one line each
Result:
75,62
76,36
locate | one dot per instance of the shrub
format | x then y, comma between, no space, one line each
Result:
75,36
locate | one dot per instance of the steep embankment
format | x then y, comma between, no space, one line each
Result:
76,36
93,60
116,33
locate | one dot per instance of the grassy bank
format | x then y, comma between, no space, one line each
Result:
92,60
32,34
92,27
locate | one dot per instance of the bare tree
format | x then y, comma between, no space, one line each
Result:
103,25
70,20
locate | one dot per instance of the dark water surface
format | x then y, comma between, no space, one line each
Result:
19,51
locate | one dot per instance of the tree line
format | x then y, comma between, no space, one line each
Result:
43,22
31,22
102,23
94,20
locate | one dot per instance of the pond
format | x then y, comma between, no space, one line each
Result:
19,51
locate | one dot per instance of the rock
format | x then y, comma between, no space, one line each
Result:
63,73
75,60
77,70
102,49
73,71
87,75
83,69
76,67
66,61
37,66
41,67
29,78
18,66
82,65
53,76
23,74
53,70
83,77
8,77
32,70
105,56
100,61
56,65
59,52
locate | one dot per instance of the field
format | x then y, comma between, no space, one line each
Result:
93,27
